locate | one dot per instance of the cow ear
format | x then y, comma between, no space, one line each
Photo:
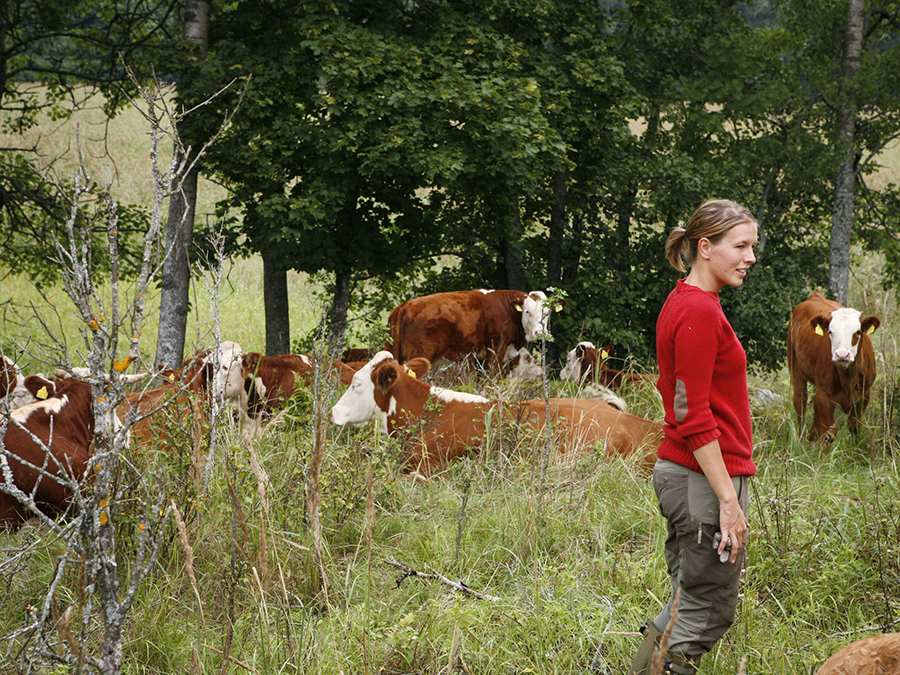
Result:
251,361
418,367
560,304
385,376
606,352
820,324
870,324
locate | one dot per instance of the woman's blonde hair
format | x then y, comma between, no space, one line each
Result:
712,220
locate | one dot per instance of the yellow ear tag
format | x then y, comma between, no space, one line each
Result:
871,330
604,354
42,393
558,308
171,377
518,308
819,330
411,373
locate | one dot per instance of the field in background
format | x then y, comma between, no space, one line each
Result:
570,547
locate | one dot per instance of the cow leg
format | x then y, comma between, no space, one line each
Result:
823,419
854,420
798,384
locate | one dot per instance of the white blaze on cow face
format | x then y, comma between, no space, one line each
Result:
358,403
843,331
228,382
534,315
572,370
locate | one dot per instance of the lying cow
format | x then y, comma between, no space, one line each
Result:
269,381
458,421
586,363
491,325
65,409
829,345
878,655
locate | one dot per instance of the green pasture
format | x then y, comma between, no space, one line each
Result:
569,548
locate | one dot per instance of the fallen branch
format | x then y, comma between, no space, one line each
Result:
455,585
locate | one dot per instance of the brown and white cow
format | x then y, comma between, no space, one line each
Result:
269,381
453,326
448,424
62,418
877,655
11,381
829,345
586,363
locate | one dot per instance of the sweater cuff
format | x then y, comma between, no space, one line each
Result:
699,440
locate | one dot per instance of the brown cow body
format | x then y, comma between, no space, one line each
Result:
586,363
455,325
829,346
447,425
65,407
878,655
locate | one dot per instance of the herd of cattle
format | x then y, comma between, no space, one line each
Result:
49,423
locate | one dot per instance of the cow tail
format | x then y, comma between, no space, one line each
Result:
396,321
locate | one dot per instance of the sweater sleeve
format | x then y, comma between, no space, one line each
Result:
696,341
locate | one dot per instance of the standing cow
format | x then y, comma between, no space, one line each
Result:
829,345
451,326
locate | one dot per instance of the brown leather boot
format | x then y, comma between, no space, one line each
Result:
644,656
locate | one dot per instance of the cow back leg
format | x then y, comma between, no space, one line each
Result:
823,419
798,384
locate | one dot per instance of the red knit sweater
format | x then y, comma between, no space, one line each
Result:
703,381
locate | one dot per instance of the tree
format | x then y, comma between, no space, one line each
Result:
55,56
176,275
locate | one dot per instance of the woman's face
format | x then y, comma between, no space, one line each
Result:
729,258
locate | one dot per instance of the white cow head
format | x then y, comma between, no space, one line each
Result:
526,368
358,403
228,380
534,315
10,370
572,369
845,329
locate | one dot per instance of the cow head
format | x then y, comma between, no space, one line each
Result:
11,378
584,354
358,403
32,389
523,366
845,329
536,314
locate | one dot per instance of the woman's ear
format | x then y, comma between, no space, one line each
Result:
703,247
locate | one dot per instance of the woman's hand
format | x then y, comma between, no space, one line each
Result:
733,524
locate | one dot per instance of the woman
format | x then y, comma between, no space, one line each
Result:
701,475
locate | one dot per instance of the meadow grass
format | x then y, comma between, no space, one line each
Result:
572,554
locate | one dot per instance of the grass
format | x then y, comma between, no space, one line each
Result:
573,556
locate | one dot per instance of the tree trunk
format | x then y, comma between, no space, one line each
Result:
557,231
339,308
174,299
275,297
176,273
511,246
845,178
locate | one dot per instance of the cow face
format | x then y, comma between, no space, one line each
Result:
357,404
11,379
845,331
228,382
534,315
573,370
524,366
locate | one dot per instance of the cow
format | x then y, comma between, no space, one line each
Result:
586,363
11,381
492,325
523,366
829,345
269,381
453,423
61,408
356,354
877,655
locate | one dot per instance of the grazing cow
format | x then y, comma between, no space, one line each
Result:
452,326
829,345
65,409
586,363
269,381
356,354
452,423
878,655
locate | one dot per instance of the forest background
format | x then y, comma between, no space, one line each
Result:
392,149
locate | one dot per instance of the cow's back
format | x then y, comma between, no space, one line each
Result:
809,355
